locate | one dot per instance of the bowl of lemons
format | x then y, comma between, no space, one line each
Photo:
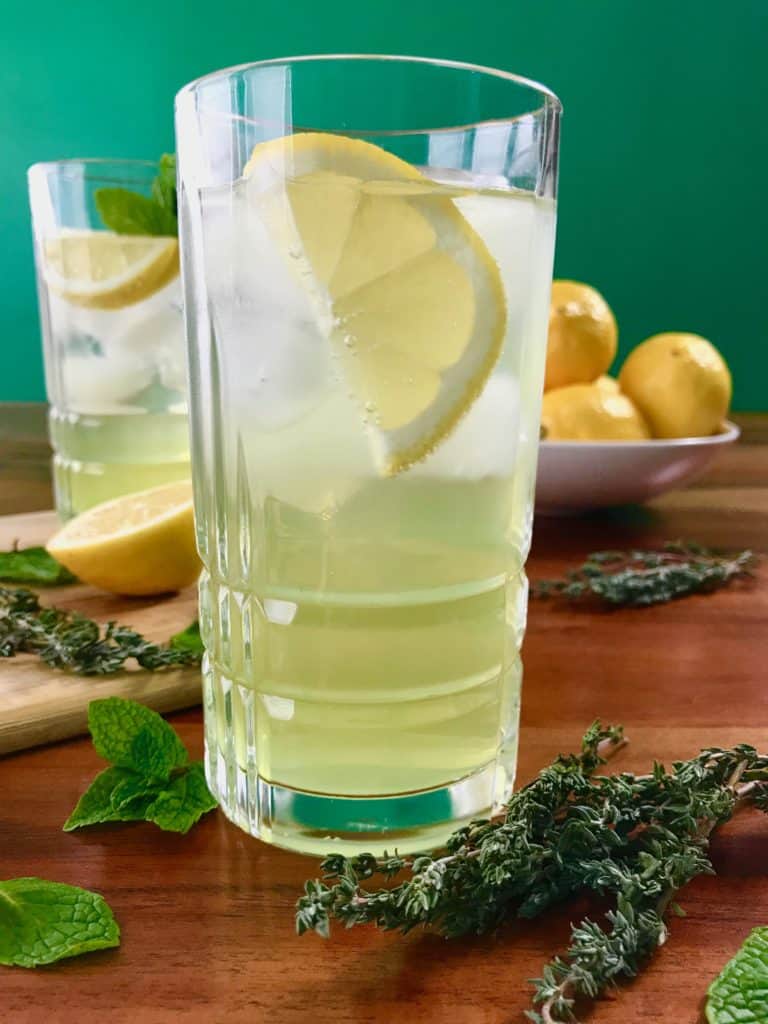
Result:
618,440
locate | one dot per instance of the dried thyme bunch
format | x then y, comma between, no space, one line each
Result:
633,839
69,640
638,578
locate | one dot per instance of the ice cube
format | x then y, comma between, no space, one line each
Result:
485,442
76,328
507,224
270,320
157,337
103,384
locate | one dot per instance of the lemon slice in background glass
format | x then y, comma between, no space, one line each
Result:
102,270
406,291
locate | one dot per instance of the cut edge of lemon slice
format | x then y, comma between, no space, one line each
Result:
149,263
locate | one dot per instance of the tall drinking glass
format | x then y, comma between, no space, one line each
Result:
113,332
367,255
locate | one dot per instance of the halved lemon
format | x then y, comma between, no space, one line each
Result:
406,291
138,544
103,270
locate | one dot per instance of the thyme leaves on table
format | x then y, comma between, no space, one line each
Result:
640,578
632,839
69,640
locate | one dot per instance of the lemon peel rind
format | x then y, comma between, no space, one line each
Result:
411,455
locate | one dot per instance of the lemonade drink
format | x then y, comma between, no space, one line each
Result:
367,354
115,362
116,380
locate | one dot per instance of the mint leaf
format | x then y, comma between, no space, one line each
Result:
42,921
166,175
132,795
121,795
151,778
116,794
33,565
188,640
132,736
164,186
183,802
130,213
740,991
95,805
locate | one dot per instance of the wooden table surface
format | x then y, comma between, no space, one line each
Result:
207,918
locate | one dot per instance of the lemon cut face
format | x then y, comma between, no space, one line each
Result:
138,544
403,288
103,270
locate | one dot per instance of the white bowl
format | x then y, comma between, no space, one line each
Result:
576,475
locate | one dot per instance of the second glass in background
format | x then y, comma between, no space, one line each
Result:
110,309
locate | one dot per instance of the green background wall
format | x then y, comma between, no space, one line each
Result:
665,138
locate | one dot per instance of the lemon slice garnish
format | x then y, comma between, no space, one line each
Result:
405,290
103,270
138,544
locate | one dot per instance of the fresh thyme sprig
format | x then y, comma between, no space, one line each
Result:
69,640
635,839
640,578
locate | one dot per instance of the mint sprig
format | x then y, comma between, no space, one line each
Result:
740,991
151,777
131,213
42,921
164,185
33,565
132,736
188,641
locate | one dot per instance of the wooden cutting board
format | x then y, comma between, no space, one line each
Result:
39,704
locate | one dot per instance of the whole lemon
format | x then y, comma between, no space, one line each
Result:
608,383
680,383
582,335
590,412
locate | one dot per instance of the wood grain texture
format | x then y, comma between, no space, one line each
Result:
38,705
25,476
207,919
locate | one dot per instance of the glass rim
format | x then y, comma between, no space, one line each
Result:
43,166
550,99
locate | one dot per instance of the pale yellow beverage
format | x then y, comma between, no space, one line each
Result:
101,454
364,491
117,384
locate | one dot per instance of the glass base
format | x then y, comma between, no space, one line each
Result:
319,824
